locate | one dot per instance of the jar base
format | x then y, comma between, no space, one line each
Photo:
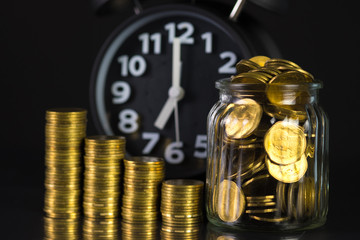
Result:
288,226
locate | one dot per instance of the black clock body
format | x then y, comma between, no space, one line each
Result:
132,76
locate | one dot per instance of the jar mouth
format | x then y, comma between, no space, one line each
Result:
225,83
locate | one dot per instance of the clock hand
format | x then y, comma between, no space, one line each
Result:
176,62
176,92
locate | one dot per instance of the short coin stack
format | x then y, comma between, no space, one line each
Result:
181,208
103,159
142,182
64,134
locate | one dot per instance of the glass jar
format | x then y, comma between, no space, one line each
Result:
267,163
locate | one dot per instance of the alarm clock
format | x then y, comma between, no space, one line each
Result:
153,80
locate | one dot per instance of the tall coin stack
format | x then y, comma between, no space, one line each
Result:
181,208
64,134
103,159
140,209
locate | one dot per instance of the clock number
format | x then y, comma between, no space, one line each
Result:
173,154
207,37
201,142
145,39
136,65
153,140
229,66
128,121
185,37
121,92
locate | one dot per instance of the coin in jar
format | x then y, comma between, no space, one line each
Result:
285,142
231,201
289,173
242,118
260,60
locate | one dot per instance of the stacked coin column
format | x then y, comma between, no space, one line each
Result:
140,209
103,160
64,134
181,208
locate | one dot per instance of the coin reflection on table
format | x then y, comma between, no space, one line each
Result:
94,229
146,230
61,228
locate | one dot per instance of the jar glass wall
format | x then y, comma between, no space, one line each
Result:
267,163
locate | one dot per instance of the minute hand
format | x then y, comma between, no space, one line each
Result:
176,63
175,92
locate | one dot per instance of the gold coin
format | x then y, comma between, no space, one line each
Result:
250,78
285,142
269,219
144,162
289,88
281,63
183,184
289,173
242,118
296,112
266,210
306,198
260,60
260,204
270,71
245,65
231,201
260,198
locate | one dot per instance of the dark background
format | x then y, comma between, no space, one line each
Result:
47,50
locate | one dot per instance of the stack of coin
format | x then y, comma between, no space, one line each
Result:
94,229
61,228
142,182
103,159
65,131
181,207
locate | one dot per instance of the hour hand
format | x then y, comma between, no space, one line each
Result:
175,94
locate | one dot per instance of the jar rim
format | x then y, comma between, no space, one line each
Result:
225,83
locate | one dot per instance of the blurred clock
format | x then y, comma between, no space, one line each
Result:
153,82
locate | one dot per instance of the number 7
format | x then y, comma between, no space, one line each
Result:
153,140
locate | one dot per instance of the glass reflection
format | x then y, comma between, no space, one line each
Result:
217,233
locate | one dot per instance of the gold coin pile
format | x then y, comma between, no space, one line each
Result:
103,159
61,228
141,195
264,134
94,229
181,208
64,134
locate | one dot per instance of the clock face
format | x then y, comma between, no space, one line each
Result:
154,83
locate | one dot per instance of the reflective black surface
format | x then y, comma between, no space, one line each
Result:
22,218
47,50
